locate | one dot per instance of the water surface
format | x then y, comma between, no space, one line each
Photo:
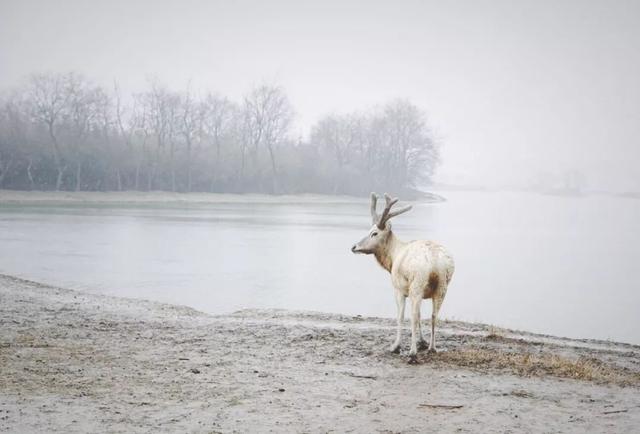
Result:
559,265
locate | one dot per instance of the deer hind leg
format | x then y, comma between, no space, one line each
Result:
400,303
416,301
422,342
436,303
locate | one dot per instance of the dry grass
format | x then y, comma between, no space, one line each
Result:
495,332
542,364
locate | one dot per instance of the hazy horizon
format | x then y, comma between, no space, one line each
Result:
515,91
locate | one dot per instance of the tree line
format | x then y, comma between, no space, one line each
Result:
64,132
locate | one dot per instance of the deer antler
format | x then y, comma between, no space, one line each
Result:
387,214
375,218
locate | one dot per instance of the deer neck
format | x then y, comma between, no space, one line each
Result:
388,252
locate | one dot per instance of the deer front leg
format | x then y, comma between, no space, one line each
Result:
415,325
400,303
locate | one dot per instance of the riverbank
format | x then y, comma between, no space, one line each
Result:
76,362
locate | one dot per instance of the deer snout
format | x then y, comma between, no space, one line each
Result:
357,248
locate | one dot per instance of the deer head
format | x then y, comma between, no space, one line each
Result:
381,228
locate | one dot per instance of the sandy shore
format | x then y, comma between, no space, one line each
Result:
74,362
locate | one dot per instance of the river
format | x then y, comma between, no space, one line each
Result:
550,264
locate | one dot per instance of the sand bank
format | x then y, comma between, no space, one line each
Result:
76,362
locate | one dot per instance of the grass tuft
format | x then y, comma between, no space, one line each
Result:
540,365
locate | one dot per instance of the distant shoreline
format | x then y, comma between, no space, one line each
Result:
163,197
80,362
127,198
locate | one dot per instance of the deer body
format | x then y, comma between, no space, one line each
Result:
419,270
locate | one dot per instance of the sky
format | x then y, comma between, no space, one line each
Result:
515,91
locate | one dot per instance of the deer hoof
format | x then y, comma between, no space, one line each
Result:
422,345
395,349
412,360
432,350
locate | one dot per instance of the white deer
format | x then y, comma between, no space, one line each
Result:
419,270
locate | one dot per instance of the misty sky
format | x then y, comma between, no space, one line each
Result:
513,89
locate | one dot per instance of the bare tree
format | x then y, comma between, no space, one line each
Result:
7,154
180,141
390,147
143,132
218,116
13,131
160,122
190,126
49,94
126,127
82,119
413,151
268,114
337,135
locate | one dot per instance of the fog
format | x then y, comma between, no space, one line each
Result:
519,94
189,241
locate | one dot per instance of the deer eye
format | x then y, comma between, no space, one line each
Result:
375,234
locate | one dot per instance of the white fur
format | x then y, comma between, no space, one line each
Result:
419,270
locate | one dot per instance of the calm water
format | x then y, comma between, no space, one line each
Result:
560,265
